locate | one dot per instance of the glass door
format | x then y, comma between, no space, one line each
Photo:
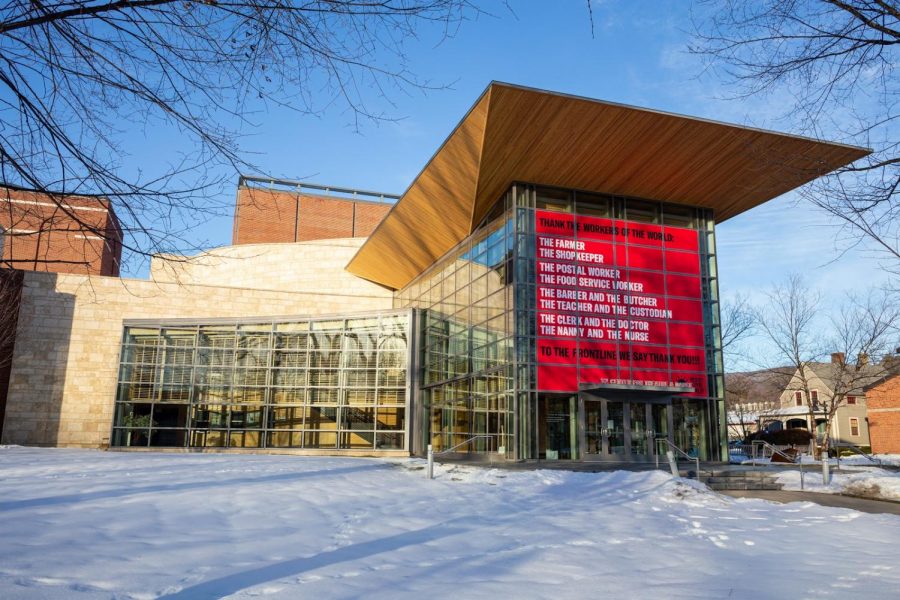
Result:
613,430
557,424
689,420
593,425
639,441
621,430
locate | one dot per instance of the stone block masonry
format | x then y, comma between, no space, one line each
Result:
63,375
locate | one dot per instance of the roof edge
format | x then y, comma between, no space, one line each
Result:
422,170
680,116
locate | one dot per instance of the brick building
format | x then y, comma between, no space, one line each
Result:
278,211
59,234
883,398
49,233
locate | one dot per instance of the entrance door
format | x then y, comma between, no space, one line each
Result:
557,428
621,430
640,429
613,430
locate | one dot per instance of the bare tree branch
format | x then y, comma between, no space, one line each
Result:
837,59
79,77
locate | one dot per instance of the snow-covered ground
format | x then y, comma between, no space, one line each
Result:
886,459
856,460
86,524
860,480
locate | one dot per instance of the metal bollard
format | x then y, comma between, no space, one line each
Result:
430,470
672,464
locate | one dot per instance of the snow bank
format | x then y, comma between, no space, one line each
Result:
869,482
886,459
90,525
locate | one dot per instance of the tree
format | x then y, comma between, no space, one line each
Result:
801,336
741,402
738,322
738,405
78,76
836,60
749,394
10,299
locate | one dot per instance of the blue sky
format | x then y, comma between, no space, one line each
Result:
637,55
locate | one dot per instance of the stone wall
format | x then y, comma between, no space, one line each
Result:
63,378
305,266
316,266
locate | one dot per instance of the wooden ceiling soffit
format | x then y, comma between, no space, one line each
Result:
521,134
581,143
433,215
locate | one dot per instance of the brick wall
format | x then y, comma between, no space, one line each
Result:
264,216
884,416
321,218
59,234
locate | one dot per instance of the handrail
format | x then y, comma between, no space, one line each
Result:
858,450
431,453
794,460
774,450
272,181
696,459
471,439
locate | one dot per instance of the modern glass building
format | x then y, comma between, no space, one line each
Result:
556,297
489,370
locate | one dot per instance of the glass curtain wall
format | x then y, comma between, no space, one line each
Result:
314,383
703,424
466,352
477,354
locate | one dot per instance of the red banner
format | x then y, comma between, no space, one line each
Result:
618,303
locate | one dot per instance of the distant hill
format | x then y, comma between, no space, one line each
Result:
762,386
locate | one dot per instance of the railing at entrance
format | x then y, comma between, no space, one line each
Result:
764,445
759,451
431,453
675,448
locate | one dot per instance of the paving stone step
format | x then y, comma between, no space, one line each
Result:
743,485
717,479
731,476
738,474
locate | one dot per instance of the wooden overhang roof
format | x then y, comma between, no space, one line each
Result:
514,133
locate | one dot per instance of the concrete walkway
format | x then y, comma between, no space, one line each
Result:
861,504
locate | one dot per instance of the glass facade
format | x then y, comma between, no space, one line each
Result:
464,362
467,345
479,371
333,383
629,417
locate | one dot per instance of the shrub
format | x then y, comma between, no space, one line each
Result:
848,452
785,437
